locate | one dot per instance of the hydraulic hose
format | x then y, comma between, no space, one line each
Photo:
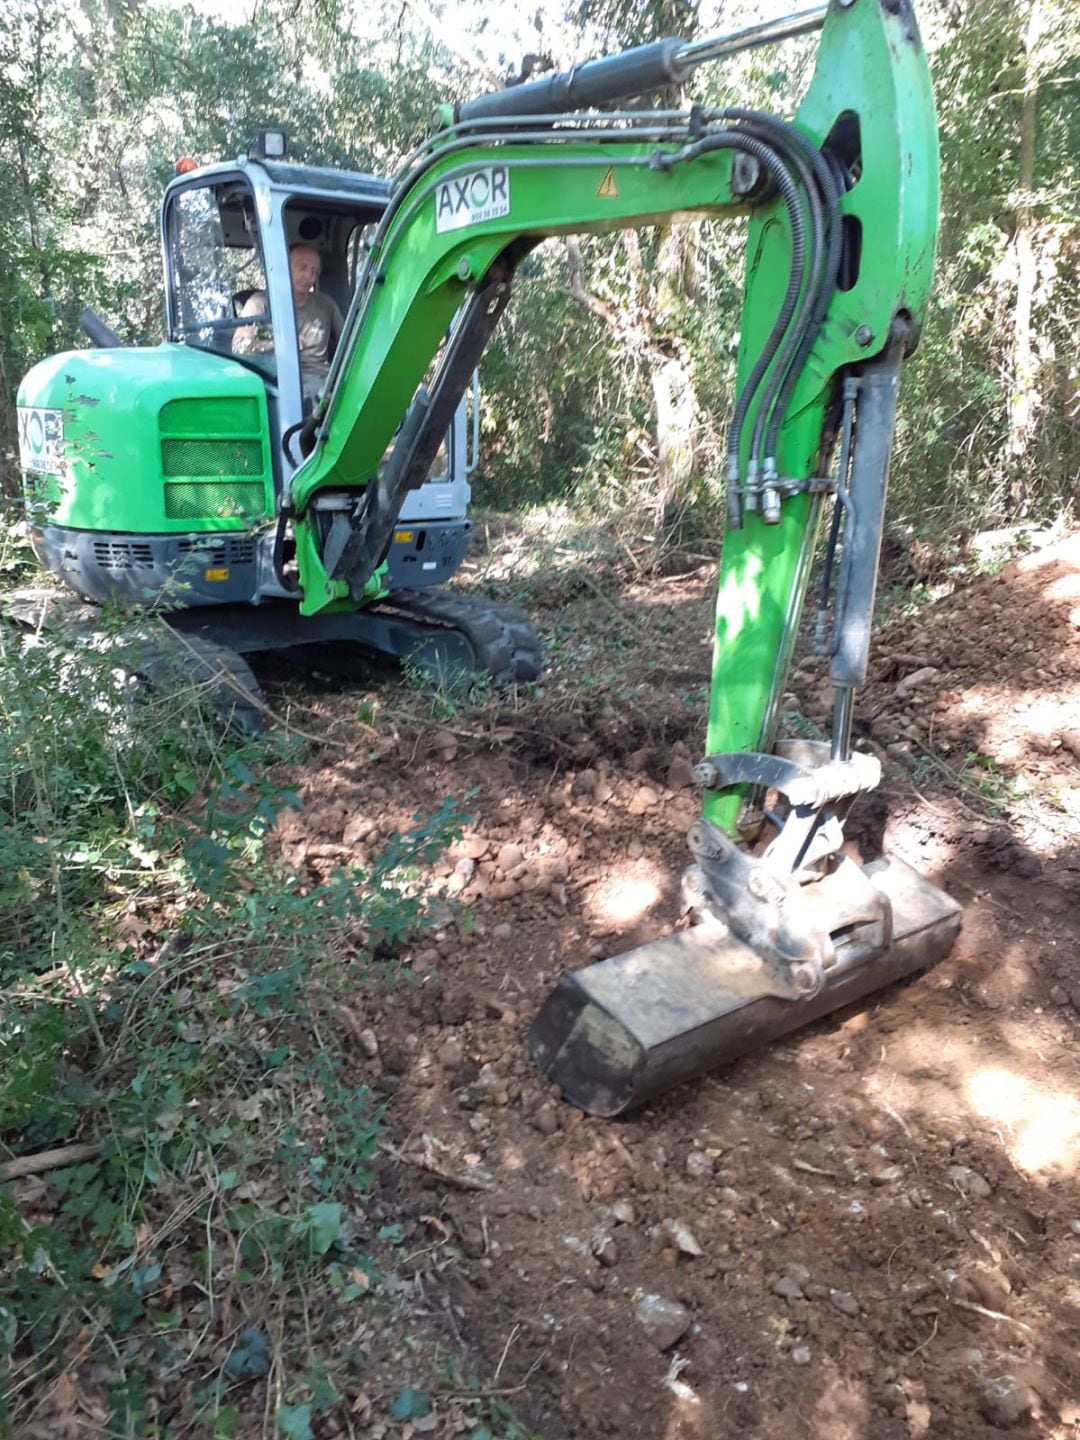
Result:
788,137
817,318
736,140
792,140
796,331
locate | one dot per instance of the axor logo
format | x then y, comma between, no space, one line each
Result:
41,440
470,199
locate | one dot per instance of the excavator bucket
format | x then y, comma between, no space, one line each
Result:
624,1030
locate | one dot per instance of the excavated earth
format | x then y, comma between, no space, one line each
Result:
870,1231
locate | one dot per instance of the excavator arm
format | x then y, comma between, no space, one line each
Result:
842,203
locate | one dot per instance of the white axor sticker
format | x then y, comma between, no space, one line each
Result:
470,199
41,440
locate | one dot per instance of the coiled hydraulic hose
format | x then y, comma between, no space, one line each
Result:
789,138
737,140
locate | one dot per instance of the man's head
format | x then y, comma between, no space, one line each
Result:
304,267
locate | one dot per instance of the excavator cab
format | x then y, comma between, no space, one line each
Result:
227,234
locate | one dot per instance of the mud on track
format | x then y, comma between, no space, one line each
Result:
886,1205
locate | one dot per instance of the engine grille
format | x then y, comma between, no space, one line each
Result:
223,500
221,549
211,457
123,555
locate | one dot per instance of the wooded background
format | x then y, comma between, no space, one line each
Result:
610,381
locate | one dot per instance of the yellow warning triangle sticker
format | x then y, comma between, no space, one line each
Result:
608,189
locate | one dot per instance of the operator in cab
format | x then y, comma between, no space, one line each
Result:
318,320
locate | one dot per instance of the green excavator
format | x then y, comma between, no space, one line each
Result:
268,519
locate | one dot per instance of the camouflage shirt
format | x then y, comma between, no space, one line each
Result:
318,326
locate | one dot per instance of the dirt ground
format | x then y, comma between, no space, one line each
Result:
874,1226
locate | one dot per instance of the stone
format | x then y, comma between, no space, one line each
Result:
503,931
546,1120
623,1213
787,1288
845,1303
475,847
886,1174
509,858
1005,1402
606,1251
969,1182
444,744
680,775
1059,995
799,1273
451,1054
700,1165
369,1043
585,782
466,867
359,829
912,682
664,1321
635,850
643,798
682,1237
800,1355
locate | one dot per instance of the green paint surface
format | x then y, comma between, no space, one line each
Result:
156,441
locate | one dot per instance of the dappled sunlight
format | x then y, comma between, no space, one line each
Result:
927,1072
623,896
1041,1129
842,1408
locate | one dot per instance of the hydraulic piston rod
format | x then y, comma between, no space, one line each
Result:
749,37
635,72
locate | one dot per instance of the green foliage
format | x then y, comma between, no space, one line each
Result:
98,100
234,1134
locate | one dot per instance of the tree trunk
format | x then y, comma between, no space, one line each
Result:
1024,398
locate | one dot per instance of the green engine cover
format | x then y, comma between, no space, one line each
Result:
161,441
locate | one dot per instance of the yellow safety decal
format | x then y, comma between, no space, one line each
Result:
608,189
215,574
403,537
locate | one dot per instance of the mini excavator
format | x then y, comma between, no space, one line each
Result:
206,451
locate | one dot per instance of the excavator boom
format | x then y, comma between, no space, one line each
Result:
842,202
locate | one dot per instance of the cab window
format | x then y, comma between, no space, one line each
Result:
218,275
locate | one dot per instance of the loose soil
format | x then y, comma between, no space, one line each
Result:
885,1205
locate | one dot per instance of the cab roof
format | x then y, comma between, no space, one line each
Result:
311,180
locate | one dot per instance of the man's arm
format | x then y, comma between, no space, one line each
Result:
246,340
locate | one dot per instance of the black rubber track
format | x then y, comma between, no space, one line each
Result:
165,662
504,641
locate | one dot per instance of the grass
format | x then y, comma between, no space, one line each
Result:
174,1022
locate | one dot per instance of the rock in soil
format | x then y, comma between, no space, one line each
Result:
787,1288
664,1321
1005,1402
606,1251
545,1120
845,1303
969,1181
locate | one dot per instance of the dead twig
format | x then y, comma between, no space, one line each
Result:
432,1166
51,1159
992,1315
